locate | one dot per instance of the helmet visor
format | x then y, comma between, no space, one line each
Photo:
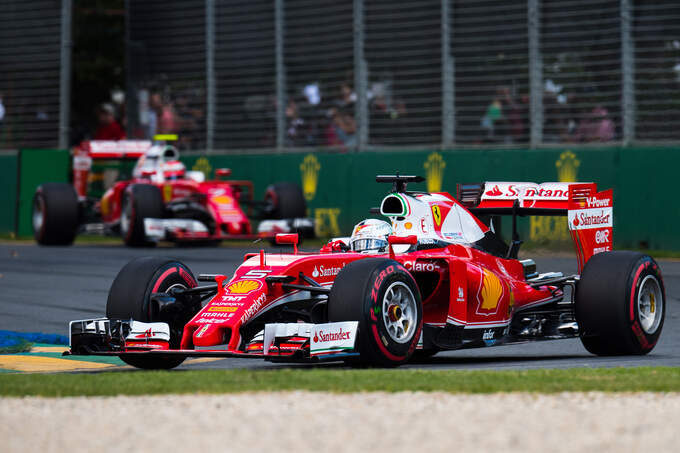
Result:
363,245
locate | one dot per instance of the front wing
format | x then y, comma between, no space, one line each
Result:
280,342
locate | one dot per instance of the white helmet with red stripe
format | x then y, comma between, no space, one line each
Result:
370,236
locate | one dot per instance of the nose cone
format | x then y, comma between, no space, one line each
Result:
209,335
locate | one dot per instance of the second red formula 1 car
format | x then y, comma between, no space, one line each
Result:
435,277
163,201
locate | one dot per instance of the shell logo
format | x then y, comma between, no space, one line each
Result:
223,199
491,291
243,287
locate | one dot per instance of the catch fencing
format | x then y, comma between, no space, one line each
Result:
34,73
361,74
365,74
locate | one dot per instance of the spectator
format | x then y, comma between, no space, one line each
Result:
109,129
342,128
595,127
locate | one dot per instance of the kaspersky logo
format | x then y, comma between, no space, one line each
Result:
567,167
434,171
309,171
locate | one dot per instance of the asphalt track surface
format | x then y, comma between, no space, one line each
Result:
43,288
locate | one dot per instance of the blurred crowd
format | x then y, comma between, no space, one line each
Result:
318,116
567,119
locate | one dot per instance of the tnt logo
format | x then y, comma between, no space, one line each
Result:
602,236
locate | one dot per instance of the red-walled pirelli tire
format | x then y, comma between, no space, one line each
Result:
55,214
130,298
620,303
140,201
383,296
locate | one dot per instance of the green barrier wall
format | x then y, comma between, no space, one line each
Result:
37,166
340,188
8,192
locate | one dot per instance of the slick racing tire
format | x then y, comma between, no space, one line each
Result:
55,214
620,303
285,201
140,201
130,298
383,296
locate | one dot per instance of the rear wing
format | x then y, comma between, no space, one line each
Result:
589,212
90,150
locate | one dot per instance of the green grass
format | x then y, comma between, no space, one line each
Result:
662,379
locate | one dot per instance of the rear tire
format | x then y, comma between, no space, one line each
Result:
286,201
140,201
55,214
130,298
383,296
620,304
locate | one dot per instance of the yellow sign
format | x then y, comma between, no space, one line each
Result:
309,170
203,165
437,215
567,167
491,292
243,286
555,228
434,172
326,222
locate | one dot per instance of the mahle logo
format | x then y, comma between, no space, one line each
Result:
309,170
567,167
202,164
434,171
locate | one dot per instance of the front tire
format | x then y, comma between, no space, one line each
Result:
140,201
383,296
130,298
285,201
620,304
55,214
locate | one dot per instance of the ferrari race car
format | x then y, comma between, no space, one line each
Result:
163,201
434,278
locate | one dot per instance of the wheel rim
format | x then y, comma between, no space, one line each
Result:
650,304
125,218
400,313
38,214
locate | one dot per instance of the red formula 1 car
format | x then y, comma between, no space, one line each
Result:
435,278
163,201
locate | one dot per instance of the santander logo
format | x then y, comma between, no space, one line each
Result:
495,192
576,222
316,338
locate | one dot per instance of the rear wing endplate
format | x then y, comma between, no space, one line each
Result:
589,212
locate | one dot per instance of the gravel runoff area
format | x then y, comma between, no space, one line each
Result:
303,421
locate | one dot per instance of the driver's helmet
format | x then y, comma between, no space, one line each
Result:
173,169
370,235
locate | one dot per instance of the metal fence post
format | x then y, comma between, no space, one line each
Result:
65,74
535,73
280,76
360,75
627,73
210,91
448,75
